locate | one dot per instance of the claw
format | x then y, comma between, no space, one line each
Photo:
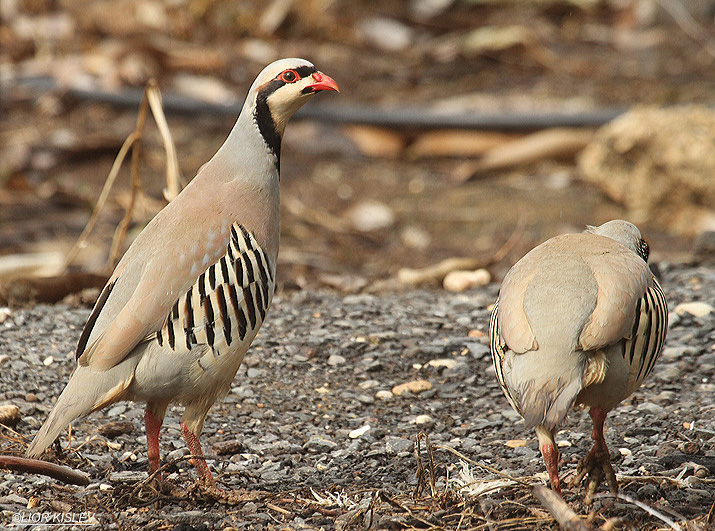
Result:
597,463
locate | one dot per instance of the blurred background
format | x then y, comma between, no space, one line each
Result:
465,128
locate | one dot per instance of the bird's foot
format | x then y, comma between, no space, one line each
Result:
596,466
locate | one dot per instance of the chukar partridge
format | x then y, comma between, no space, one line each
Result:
187,299
580,320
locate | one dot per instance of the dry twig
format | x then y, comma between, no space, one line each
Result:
650,510
437,272
484,467
61,473
116,166
152,97
121,231
561,512
173,174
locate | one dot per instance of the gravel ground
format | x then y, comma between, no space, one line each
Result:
315,432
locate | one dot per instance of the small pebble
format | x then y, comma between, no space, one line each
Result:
448,363
359,432
395,445
423,419
335,359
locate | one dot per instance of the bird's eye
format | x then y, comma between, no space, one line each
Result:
289,76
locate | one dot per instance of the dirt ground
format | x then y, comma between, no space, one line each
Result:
343,328
318,436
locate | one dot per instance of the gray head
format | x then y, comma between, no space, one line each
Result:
625,233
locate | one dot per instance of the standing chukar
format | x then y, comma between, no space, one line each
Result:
187,299
579,320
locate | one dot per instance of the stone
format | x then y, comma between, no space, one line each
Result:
696,309
659,162
9,415
395,445
359,432
447,363
415,386
114,429
335,359
369,216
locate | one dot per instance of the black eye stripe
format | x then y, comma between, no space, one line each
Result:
302,71
305,71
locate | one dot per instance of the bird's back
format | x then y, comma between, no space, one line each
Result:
561,304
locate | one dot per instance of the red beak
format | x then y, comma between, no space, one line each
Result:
323,82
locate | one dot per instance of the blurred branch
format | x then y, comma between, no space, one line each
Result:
153,99
397,118
116,166
689,25
121,232
173,174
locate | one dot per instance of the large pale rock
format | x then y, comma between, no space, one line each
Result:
660,164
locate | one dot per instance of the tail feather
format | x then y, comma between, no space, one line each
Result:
545,388
87,391
64,412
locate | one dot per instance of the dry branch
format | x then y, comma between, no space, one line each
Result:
116,166
173,174
436,272
152,98
121,231
562,513
555,143
20,291
391,118
61,473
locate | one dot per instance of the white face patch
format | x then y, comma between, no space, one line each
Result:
286,100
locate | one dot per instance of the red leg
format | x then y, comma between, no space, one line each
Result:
551,460
152,425
550,453
597,463
598,416
192,442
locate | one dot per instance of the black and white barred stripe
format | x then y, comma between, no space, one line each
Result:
647,336
497,347
229,300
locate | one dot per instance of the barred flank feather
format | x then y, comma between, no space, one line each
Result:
228,300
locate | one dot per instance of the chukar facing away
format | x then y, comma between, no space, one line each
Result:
187,299
579,320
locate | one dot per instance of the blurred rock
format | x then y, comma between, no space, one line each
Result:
371,215
493,39
704,249
385,33
697,309
426,9
660,164
9,415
